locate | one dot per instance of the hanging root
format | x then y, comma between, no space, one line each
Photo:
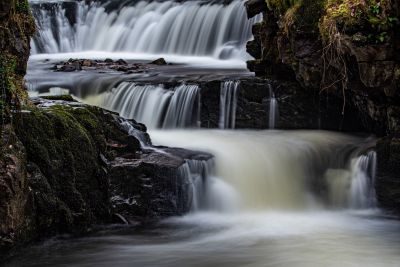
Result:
335,73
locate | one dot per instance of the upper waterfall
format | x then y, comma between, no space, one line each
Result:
192,28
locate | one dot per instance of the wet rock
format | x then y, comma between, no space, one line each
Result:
91,65
6,7
14,191
388,175
377,73
87,63
159,61
121,62
254,7
69,166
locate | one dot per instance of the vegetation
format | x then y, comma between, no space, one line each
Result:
16,27
369,21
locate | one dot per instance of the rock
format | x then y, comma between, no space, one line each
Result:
388,174
15,201
69,166
121,62
6,7
108,60
159,61
254,49
254,7
376,73
87,63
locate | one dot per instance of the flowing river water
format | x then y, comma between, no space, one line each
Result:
271,197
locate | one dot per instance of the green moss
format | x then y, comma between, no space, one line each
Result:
302,14
372,18
15,31
60,97
282,5
63,141
22,6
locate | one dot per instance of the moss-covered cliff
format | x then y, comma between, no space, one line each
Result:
16,28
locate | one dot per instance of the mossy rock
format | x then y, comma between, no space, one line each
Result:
68,98
66,143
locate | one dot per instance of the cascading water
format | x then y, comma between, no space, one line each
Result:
228,103
179,28
267,198
362,186
153,105
273,109
197,173
255,165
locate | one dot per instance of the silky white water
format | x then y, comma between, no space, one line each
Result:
152,104
273,115
186,28
228,104
284,170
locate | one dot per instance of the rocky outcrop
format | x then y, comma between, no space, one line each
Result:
67,167
16,28
15,199
340,58
119,65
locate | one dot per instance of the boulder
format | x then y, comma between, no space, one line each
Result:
159,61
254,7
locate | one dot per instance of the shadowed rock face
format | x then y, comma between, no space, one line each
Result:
388,181
298,108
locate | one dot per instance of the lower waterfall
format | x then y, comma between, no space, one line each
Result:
285,170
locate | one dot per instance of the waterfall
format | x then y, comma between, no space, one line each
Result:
353,187
153,105
197,173
228,103
143,137
273,109
272,170
362,192
174,28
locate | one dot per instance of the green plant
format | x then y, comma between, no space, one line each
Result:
22,6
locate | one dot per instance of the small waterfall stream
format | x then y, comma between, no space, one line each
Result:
273,109
362,186
228,104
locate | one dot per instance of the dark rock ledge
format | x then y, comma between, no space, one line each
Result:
66,167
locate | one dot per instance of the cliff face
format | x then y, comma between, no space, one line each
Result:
16,28
344,51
